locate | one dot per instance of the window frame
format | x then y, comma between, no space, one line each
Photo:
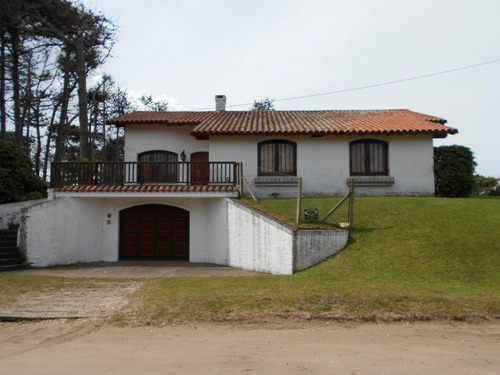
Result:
368,170
276,157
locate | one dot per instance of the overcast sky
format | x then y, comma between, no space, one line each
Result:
188,51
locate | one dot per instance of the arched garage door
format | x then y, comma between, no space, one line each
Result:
154,232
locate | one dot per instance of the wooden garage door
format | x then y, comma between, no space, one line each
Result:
154,232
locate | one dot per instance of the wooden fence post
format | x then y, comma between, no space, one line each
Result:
249,189
351,203
240,175
299,199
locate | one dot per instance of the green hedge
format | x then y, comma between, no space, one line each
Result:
17,180
454,171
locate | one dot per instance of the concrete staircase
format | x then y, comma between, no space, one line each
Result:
10,256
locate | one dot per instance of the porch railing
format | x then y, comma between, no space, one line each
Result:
141,173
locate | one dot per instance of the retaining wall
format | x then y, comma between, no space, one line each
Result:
258,242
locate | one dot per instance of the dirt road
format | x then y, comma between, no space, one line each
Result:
84,347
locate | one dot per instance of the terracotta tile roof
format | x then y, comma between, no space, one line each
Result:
360,122
167,118
149,188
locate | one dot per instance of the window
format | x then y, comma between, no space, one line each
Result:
157,166
368,158
277,158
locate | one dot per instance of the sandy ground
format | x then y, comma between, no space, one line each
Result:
90,347
97,299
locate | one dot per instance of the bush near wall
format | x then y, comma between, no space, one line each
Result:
18,182
454,171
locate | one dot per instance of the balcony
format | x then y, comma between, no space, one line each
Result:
66,174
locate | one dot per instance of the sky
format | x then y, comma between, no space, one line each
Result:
191,50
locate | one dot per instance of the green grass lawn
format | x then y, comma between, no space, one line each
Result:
407,259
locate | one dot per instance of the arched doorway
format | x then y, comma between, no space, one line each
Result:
154,232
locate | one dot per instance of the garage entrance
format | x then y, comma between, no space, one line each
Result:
154,232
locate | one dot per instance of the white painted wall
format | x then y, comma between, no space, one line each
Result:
62,231
72,230
323,164
10,213
313,246
216,233
258,243
140,138
222,231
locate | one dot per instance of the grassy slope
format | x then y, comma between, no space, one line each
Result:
409,258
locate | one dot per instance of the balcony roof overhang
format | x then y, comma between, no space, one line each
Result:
150,191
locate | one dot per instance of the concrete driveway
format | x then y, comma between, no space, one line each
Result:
136,269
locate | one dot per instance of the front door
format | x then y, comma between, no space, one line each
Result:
200,169
154,232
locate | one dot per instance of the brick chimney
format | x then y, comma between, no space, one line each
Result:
220,102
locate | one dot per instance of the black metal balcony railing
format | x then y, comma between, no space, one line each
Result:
120,173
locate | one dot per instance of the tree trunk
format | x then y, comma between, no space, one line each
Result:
50,134
81,71
63,115
27,103
14,71
38,152
3,115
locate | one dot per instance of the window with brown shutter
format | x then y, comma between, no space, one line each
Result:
277,158
368,157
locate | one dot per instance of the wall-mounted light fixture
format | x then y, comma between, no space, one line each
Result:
183,155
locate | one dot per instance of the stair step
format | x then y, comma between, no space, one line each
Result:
8,248
10,254
13,267
11,261
7,244
8,238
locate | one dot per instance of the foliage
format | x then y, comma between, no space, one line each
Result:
454,171
484,185
17,180
495,192
48,50
155,105
265,104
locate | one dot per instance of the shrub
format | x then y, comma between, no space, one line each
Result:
484,185
495,192
17,180
454,171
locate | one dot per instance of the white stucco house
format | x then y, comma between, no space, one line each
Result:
172,197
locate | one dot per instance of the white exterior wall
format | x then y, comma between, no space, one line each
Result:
140,138
411,163
314,246
258,243
62,231
216,233
323,164
73,230
10,213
